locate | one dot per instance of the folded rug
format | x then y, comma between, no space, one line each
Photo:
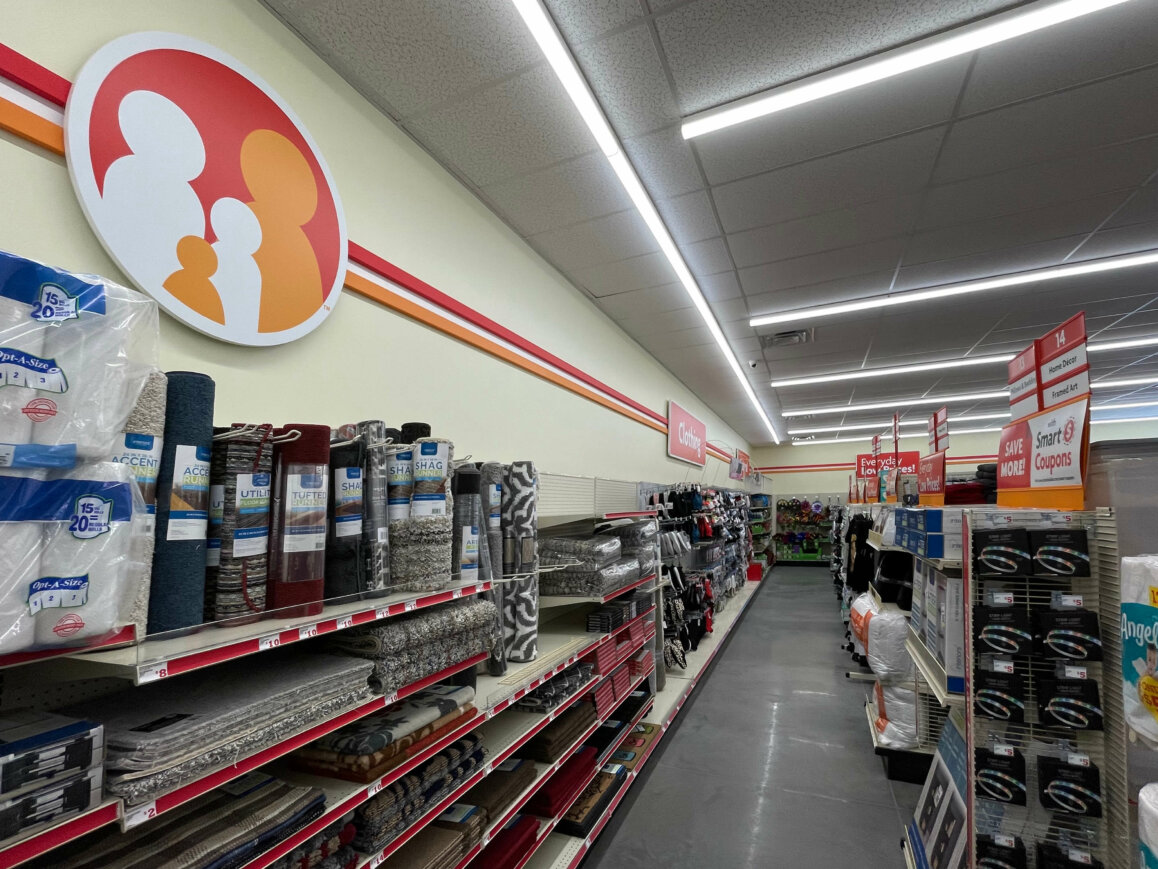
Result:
510,845
375,732
583,582
225,827
582,817
495,793
470,822
430,848
561,788
550,743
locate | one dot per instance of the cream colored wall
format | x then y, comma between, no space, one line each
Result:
812,482
366,361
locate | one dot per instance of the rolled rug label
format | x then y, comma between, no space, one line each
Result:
469,563
400,484
348,502
431,461
305,513
142,453
251,536
495,515
213,533
189,494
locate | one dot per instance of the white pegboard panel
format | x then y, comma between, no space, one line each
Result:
48,686
615,496
564,498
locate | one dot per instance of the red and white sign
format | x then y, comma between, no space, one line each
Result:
876,445
896,432
687,437
1044,451
1023,394
933,434
1063,368
931,474
868,465
206,189
745,461
942,419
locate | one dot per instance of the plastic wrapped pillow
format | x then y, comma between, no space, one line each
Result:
596,551
645,555
608,578
634,534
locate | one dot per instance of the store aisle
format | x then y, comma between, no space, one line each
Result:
770,765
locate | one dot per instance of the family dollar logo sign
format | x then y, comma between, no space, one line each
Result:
206,189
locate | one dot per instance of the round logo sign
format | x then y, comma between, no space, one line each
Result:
206,189
39,409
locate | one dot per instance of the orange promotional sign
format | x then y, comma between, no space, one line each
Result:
206,189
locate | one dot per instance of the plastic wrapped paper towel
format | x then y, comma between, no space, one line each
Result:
896,722
885,648
1140,646
1148,826
860,616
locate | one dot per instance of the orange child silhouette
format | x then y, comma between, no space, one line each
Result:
285,197
191,284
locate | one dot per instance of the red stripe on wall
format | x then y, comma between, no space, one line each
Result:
31,76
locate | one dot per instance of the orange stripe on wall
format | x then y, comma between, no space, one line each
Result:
30,126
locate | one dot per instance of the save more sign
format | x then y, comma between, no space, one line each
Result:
206,189
1044,451
687,437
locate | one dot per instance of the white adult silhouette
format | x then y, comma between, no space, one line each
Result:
147,205
238,276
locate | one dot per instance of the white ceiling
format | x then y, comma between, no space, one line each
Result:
1034,152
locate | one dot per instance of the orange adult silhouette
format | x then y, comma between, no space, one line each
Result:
285,197
191,283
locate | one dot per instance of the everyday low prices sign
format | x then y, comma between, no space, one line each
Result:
687,437
931,479
868,465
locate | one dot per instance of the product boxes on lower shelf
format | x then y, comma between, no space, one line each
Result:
917,607
40,808
38,748
945,631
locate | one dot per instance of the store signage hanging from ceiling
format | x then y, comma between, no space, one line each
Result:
745,462
868,465
206,189
1041,460
687,437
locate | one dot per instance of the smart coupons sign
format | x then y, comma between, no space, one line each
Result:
687,437
206,189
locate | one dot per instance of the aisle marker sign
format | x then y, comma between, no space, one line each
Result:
933,433
876,445
941,417
687,436
1023,386
1063,369
896,433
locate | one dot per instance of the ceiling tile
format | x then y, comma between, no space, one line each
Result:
652,323
1108,42
517,126
1117,167
655,300
637,273
1052,126
719,287
868,114
627,77
819,268
683,338
1033,256
720,50
570,193
876,171
664,162
833,229
1122,239
605,239
1043,224
707,257
689,217
730,309
424,52
579,22
1141,208
839,290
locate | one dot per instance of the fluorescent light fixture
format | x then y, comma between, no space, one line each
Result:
1124,406
942,291
1129,381
975,430
902,402
977,417
924,52
860,426
862,373
1125,419
859,439
1122,345
551,43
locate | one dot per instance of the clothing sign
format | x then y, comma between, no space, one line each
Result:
687,437
206,189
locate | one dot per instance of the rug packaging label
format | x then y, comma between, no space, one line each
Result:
142,453
251,536
495,517
399,484
430,476
305,513
469,565
348,502
216,517
189,495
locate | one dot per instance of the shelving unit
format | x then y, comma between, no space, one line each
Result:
564,600
931,671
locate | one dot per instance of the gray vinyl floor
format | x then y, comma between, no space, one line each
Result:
770,764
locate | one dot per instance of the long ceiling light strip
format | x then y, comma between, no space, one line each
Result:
551,43
924,52
902,402
1124,406
904,436
942,291
883,426
967,362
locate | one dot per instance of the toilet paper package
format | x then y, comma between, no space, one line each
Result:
1148,826
1140,646
896,722
887,656
75,351
66,539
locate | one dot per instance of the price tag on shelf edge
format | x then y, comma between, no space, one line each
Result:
153,673
393,698
269,642
1073,672
375,787
137,815
307,631
345,622
457,593
1002,665
1077,759
1003,750
410,606
1004,841
1078,856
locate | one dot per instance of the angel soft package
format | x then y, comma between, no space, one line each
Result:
68,576
75,351
1140,646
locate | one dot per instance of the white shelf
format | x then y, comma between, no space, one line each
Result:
554,600
931,670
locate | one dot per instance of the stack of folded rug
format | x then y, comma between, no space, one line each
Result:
386,815
510,845
553,692
581,581
552,742
582,817
409,648
469,821
372,746
329,849
166,734
501,787
228,826
431,848
562,788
